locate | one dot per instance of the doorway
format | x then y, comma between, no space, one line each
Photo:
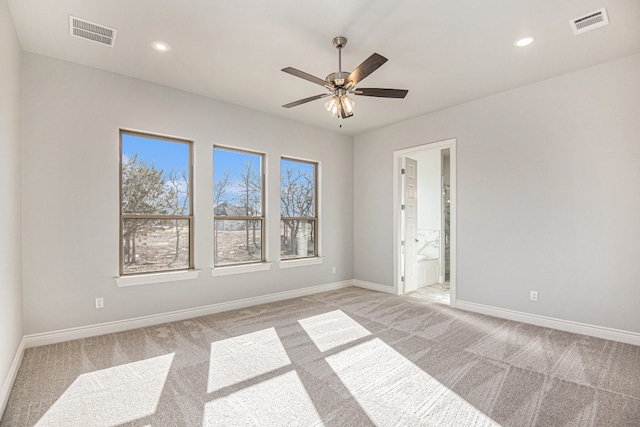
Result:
424,221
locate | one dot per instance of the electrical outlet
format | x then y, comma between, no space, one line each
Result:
333,270
100,302
533,296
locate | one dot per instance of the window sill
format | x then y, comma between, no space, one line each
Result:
300,262
240,269
165,276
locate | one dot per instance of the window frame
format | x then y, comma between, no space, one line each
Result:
262,217
316,209
189,218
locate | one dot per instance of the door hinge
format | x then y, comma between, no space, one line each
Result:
402,243
401,207
402,171
402,279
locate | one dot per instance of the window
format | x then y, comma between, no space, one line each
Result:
156,222
238,207
298,209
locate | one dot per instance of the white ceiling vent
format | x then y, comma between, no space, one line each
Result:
91,31
590,21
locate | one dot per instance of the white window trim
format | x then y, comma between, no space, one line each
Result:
240,269
151,278
301,262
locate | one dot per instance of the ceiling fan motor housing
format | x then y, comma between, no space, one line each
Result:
337,79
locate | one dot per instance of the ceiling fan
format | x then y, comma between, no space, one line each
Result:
341,84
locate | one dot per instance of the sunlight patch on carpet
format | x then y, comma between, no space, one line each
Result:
279,401
112,396
393,391
389,388
244,357
333,329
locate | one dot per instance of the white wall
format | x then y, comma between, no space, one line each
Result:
548,180
72,115
10,252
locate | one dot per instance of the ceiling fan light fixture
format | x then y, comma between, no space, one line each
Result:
347,104
339,103
333,105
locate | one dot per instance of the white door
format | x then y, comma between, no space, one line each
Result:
410,228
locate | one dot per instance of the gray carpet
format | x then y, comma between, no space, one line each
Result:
351,357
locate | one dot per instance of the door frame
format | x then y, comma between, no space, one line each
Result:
397,223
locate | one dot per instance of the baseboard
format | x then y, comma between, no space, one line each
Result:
11,377
374,286
550,322
54,337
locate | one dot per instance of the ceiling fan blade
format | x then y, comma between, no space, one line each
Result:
381,93
308,77
369,65
305,100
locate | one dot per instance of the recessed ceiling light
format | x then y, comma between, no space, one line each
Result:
161,46
524,41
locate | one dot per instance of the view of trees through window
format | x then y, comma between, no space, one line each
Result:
298,216
156,205
155,201
238,207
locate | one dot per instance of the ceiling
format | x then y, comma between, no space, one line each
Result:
444,52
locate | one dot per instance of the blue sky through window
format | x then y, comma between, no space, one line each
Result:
167,156
297,165
164,155
233,163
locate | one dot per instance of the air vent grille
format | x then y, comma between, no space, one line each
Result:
590,21
91,31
